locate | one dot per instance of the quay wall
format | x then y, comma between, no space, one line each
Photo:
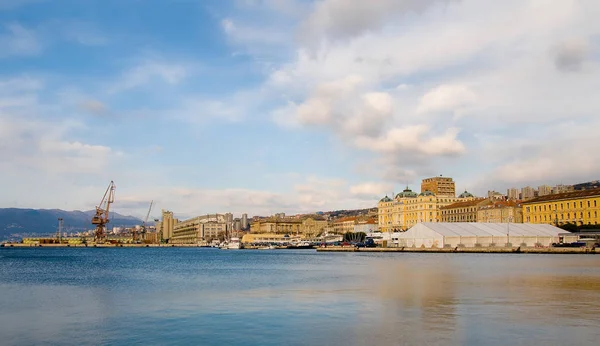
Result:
526,250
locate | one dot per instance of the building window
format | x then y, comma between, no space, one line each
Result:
567,205
580,204
589,204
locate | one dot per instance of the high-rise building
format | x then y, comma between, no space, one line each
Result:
244,221
563,188
440,186
167,224
527,192
512,193
544,190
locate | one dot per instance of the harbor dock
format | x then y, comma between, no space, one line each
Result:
499,250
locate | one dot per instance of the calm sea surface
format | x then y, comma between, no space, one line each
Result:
194,296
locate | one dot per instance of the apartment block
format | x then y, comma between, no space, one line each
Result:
440,186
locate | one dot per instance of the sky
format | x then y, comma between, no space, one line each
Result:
295,106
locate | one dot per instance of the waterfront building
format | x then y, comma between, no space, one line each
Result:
464,211
501,212
366,226
409,208
440,186
276,225
577,207
271,238
167,224
312,227
344,225
544,190
245,224
527,192
385,212
201,229
512,194
472,234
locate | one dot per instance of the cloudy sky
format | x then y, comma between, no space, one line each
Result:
265,106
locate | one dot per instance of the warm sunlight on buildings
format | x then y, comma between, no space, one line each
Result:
578,207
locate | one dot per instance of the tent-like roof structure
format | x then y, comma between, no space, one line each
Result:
466,229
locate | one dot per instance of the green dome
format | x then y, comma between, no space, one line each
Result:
465,195
427,193
385,199
406,193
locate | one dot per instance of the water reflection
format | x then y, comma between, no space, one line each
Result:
186,296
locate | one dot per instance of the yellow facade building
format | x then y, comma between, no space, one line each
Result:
409,208
577,207
276,225
344,225
440,186
166,225
465,211
312,227
501,212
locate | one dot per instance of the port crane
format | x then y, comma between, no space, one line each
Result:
143,231
146,221
102,212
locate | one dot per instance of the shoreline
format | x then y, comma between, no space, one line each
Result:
494,250
482,250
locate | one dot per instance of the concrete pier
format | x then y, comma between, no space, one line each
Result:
525,250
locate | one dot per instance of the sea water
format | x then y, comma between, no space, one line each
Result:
200,296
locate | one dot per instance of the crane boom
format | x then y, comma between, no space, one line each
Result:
101,218
143,231
148,214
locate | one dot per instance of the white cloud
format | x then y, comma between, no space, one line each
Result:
452,98
340,19
18,41
412,140
371,190
307,195
569,55
455,57
94,106
149,72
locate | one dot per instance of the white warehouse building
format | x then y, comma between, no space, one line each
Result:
472,234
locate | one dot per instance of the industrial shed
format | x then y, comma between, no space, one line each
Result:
472,234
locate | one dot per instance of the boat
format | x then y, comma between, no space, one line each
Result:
232,244
301,245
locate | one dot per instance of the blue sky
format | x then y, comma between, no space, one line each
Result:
266,106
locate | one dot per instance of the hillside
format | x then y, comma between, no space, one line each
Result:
20,222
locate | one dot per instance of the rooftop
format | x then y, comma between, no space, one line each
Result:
565,195
464,204
454,229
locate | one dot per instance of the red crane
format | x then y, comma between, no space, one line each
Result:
101,217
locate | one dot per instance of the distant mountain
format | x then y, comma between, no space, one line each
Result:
45,221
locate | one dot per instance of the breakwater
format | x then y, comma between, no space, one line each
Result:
526,250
